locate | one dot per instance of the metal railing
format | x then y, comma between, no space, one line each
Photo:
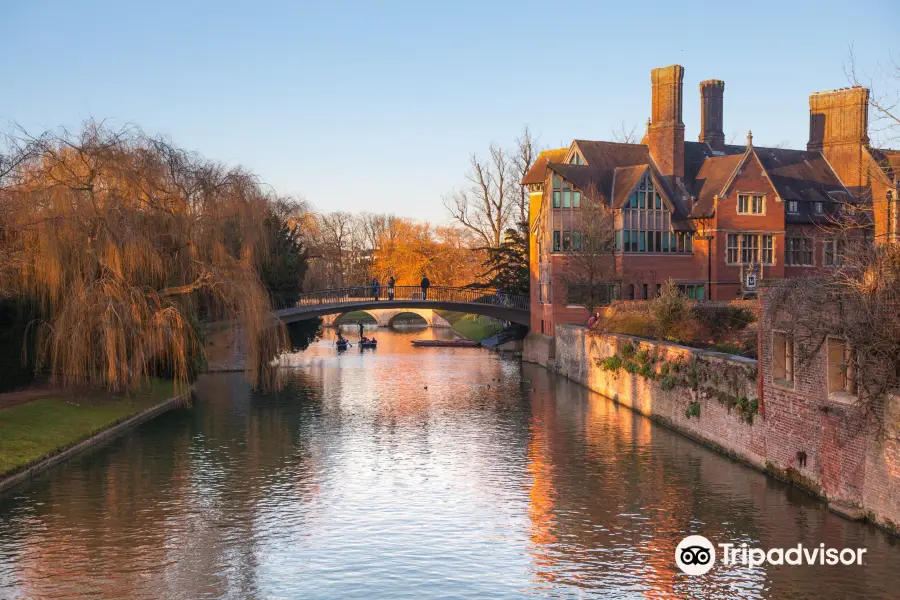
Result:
365,294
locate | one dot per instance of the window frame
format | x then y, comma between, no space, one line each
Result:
763,250
787,369
734,248
793,207
845,388
646,224
834,247
789,251
749,252
749,201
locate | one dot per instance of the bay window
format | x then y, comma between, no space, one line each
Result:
646,224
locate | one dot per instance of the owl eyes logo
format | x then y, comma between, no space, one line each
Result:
695,555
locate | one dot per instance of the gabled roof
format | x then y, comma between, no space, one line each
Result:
609,155
713,175
799,174
585,178
696,153
612,170
538,170
625,180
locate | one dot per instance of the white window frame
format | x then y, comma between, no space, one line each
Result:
793,207
763,249
749,201
738,248
818,208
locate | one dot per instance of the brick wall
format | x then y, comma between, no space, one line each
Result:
793,438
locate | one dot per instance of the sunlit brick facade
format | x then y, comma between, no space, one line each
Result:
714,217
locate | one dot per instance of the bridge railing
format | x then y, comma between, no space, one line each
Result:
464,295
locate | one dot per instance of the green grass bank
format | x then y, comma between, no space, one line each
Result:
35,430
473,327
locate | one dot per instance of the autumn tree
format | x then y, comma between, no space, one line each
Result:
408,250
126,242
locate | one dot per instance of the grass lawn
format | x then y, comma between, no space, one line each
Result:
473,327
356,315
40,428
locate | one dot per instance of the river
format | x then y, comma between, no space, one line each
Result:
413,473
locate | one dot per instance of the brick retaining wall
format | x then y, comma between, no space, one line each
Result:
849,467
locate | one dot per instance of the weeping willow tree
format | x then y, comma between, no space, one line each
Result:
129,245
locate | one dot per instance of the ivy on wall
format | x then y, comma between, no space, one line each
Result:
704,377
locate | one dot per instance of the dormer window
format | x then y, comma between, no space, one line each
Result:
749,204
576,159
564,195
818,208
792,207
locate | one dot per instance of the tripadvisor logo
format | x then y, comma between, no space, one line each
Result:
696,555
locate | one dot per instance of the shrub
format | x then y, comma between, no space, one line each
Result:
628,350
664,369
668,382
728,348
669,309
643,356
630,323
721,320
693,410
612,363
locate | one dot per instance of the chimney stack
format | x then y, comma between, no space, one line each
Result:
838,117
712,131
838,128
666,127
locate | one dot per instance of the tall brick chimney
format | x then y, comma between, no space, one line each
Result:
666,127
711,111
838,117
838,127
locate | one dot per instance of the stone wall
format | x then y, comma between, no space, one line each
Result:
714,398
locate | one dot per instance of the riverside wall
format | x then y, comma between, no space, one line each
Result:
723,401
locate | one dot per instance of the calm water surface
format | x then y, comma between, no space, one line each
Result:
497,481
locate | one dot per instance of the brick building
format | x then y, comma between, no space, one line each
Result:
715,217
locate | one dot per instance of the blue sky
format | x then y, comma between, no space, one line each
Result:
376,105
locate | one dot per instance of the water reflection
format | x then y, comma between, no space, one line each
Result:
411,473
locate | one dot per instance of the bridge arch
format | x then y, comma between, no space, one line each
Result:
505,307
385,317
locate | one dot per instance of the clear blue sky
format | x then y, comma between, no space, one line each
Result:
377,105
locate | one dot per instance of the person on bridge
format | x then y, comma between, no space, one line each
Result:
376,288
425,285
391,288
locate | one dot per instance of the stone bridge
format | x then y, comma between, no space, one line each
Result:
385,317
480,301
